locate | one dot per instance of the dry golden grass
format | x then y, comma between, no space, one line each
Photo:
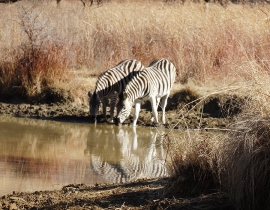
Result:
210,44
193,158
245,153
226,48
246,162
237,160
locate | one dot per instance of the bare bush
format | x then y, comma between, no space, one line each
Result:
39,63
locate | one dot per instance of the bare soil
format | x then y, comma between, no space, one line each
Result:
142,194
182,113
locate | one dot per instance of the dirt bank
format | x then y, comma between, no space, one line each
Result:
212,112
142,194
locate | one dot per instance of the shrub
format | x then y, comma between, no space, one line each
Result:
38,64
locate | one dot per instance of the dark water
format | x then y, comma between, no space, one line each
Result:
46,155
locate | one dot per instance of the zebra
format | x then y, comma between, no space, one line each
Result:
154,83
111,84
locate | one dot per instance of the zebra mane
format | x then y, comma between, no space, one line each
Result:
156,61
116,67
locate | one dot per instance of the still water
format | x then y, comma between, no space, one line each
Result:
46,155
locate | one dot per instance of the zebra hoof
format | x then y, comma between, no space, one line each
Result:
117,122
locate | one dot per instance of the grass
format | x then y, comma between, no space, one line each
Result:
236,161
44,46
247,163
193,163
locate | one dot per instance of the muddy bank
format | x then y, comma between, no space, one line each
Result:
142,194
184,110
52,111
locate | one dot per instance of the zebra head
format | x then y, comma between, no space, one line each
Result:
124,106
94,103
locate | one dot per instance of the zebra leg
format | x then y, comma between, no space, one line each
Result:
154,108
136,112
119,105
104,106
163,106
152,117
113,98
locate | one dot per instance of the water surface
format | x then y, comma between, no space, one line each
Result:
46,155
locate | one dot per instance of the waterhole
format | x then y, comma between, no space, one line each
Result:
46,155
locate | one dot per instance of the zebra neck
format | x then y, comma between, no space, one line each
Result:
136,92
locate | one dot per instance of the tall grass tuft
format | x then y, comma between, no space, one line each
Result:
246,150
248,163
193,159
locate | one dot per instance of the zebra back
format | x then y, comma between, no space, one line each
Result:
157,79
116,78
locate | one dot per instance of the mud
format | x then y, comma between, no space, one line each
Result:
185,109
142,194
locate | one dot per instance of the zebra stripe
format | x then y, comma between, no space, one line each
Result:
110,84
153,83
135,163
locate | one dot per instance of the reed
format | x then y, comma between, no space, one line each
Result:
246,151
247,162
235,162
208,43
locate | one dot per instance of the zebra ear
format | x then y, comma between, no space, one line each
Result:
124,95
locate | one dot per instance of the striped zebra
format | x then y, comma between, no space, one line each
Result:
111,84
154,83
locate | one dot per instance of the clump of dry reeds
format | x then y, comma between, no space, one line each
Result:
247,161
193,162
246,150
237,161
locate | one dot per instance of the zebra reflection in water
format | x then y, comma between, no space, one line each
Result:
123,157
